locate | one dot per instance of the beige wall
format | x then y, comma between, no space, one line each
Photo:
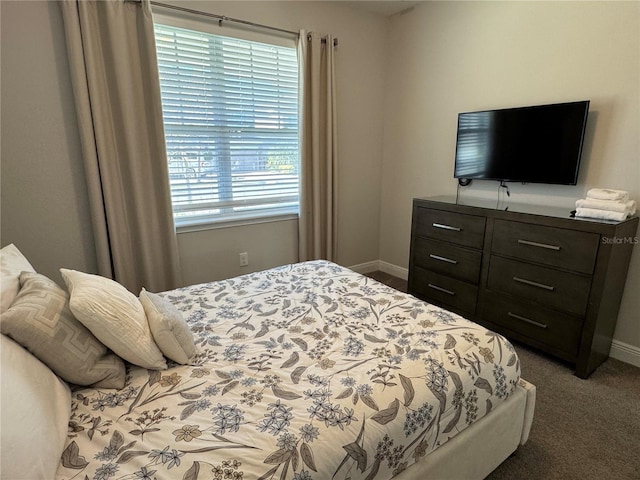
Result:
43,199
214,254
448,57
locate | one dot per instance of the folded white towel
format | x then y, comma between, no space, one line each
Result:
609,205
608,194
600,214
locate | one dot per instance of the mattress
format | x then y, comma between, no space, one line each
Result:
306,371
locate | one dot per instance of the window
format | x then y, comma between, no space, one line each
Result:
230,109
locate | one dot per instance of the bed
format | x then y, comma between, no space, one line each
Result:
305,371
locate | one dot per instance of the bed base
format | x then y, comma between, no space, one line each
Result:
475,452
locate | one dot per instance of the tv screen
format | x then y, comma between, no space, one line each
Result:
538,144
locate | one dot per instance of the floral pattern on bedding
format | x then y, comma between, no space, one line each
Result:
307,371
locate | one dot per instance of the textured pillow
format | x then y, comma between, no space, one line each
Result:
115,316
12,263
36,406
169,330
40,320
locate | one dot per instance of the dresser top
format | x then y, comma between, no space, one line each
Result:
530,209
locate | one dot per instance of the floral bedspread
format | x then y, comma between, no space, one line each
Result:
307,371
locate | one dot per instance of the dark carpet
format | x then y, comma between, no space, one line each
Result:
582,429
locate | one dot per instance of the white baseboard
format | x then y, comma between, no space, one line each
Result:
367,267
394,270
625,353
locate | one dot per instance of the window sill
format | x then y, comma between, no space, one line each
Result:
214,225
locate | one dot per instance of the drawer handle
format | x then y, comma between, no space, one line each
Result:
534,284
446,227
443,259
525,319
440,289
540,245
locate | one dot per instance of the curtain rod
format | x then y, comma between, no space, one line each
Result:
223,18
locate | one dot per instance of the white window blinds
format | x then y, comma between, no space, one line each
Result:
230,111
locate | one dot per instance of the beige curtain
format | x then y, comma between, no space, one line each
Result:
318,148
112,56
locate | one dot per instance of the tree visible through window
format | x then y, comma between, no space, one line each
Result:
230,111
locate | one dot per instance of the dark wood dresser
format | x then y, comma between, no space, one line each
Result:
531,273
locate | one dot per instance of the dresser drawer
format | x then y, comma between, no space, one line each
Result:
557,247
540,326
443,290
458,228
562,290
447,259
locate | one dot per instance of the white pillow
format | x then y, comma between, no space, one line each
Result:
36,406
115,316
12,263
168,327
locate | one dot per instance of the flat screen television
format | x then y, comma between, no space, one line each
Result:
537,144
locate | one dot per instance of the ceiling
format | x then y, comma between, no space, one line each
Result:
386,8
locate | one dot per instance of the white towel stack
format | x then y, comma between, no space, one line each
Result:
606,204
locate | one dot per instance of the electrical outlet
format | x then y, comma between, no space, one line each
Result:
244,259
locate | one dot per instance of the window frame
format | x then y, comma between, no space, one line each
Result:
277,39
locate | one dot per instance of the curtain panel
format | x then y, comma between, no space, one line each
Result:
112,56
317,226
